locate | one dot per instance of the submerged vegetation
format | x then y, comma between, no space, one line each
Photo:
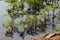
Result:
33,19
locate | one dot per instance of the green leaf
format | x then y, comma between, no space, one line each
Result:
54,7
34,1
11,1
43,16
47,7
42,11
24,11
21,24
8,23
58,20
19,3
58,28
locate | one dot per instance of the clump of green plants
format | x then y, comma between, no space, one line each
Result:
35,17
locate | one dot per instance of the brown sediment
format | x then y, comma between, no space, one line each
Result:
55,36
38,39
